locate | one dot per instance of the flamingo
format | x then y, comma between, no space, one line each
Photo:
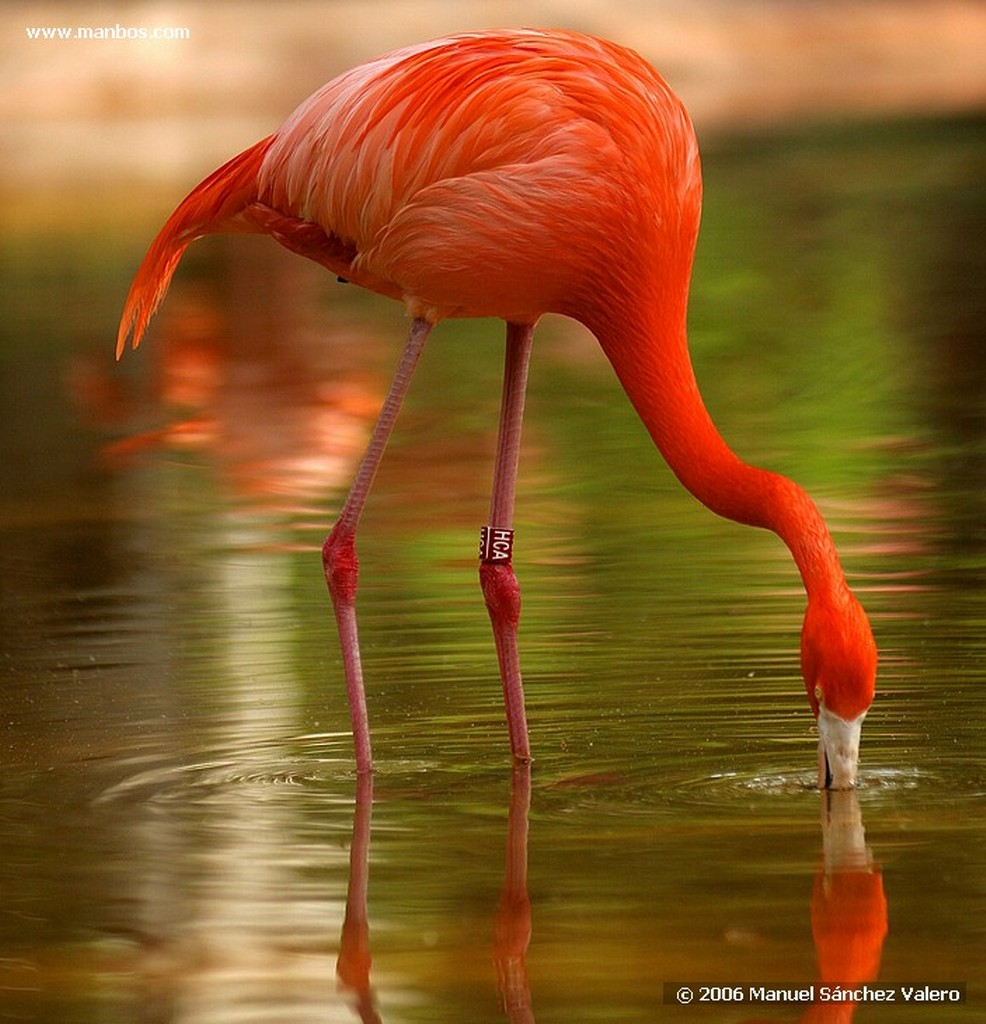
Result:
511,174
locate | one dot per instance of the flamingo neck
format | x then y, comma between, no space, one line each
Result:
652,361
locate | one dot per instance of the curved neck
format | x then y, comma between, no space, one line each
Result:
651,359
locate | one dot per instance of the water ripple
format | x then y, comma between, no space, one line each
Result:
772,795
288,763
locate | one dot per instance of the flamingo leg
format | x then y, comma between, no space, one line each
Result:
500,587
339,550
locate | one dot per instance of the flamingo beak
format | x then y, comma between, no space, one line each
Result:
838,749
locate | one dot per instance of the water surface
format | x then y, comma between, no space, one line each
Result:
180,822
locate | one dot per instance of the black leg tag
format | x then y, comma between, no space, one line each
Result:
496,546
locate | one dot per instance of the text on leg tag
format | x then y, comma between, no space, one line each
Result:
495,544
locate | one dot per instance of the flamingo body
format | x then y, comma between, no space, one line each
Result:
512,174
451,168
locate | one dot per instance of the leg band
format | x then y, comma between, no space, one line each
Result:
496,545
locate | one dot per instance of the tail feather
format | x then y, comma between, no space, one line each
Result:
208,208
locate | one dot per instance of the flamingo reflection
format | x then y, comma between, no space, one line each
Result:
353,963
848,909
282,423
512,925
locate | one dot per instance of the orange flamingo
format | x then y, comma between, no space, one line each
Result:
511,174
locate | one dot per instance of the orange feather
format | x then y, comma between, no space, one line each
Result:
212,206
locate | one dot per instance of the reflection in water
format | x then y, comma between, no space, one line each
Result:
512,925
225,923
512,928
353,963
848,909
282,412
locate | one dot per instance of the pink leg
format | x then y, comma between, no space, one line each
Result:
496,574
339,550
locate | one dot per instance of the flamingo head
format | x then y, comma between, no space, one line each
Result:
838,662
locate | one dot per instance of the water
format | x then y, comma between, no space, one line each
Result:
180,823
